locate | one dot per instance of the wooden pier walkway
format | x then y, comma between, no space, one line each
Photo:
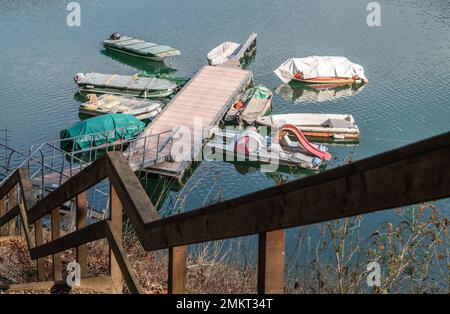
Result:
202,103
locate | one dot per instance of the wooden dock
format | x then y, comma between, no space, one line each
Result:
202,103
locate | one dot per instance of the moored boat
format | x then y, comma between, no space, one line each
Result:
232,53
105,104
321,70
278,150
137,86
139,48
339,127
255,102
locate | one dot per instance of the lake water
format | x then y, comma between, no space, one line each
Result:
407,61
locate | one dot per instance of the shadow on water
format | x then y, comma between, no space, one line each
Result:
316,93
154,67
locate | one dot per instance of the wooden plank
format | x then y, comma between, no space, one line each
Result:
116,229
12,203
81,222
56,233
271,262
177,270
3,219
414,172
121,259
38,242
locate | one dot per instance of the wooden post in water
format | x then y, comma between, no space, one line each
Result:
271,262
116,223
177,270
56,233
81,222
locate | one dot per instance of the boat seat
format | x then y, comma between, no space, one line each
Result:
337,123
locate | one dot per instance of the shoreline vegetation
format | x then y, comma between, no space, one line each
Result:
413,254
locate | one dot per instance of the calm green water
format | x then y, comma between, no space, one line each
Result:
407,61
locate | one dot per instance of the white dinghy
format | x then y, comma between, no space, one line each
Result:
339,127
231,53
106,104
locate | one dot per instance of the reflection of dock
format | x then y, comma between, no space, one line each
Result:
200,104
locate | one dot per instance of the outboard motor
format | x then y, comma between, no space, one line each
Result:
78,77
114,36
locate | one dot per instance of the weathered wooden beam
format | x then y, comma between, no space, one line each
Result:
12,204
7,217
177,270
3,219
38,242
9,184
132,195
88,234
408,175
271,262
81,222
56,234
121,258
116,229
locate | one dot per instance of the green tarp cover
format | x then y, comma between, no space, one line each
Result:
106,129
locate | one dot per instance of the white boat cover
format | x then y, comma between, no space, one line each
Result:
315,66
222,53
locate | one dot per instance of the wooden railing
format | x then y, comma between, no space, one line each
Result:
408,175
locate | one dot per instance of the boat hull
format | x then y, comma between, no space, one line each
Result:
330,80
138,55
89,89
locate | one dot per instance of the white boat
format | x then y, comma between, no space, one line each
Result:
222,53
249,145
230,52
328,126
321,70
255,102
106,104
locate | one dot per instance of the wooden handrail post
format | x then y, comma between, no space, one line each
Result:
271,262
81,222
116,223
39,240
177,269
12,203
56,233
4,229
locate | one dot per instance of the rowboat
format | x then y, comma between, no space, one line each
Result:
321,70
105,104
139,48
255,102
232,53
339,127
137,86
249,145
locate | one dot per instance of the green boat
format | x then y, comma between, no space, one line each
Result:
139,48
99,131
137,86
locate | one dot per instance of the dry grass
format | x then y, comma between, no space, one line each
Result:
413,254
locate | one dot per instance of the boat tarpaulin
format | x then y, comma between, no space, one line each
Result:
314,66
101,130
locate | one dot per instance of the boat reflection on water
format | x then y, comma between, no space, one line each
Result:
316,93
154,67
